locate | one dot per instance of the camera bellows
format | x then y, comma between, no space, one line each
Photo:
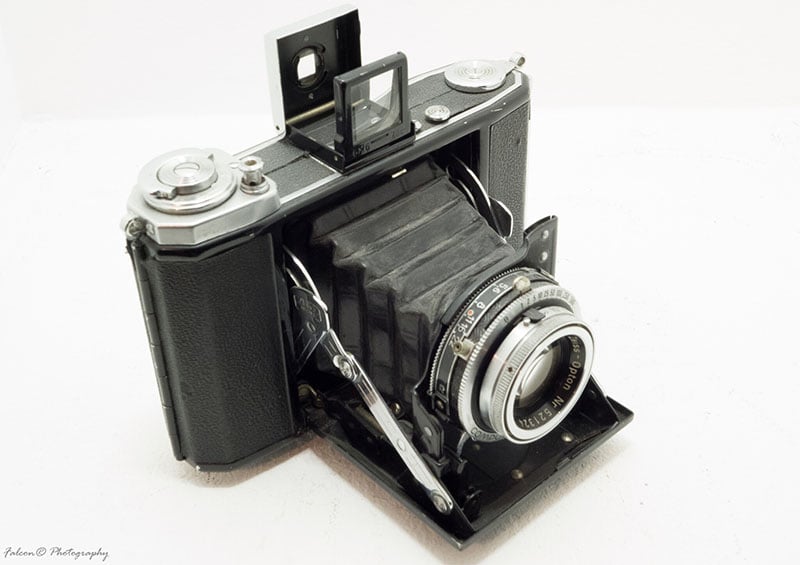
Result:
391,261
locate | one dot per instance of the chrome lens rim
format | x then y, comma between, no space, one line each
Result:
513,358
473,375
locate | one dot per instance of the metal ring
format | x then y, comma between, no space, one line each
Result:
205,186
197,173
512,360
486,345
462,326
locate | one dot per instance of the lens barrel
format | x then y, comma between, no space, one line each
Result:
515,360
535,375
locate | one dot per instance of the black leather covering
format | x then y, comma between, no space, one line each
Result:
508,157
215,324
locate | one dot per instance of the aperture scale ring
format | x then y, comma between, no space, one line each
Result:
468,318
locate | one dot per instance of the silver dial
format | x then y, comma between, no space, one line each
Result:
477,75
187,181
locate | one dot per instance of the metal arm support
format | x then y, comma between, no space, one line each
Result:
316,331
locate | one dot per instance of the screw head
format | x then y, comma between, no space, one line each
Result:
344,366
440,503
134,228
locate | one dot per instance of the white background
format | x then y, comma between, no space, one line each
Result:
666,136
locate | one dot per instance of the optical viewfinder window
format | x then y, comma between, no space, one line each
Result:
376,106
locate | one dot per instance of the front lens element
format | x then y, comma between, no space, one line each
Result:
536,375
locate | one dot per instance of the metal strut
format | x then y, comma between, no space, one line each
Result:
316,331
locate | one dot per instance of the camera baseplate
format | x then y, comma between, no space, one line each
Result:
487,487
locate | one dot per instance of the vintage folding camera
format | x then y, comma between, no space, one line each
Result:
365,274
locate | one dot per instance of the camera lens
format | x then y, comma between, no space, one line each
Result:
535,375
515,360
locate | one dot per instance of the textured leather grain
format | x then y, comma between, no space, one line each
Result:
220,333
508,156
